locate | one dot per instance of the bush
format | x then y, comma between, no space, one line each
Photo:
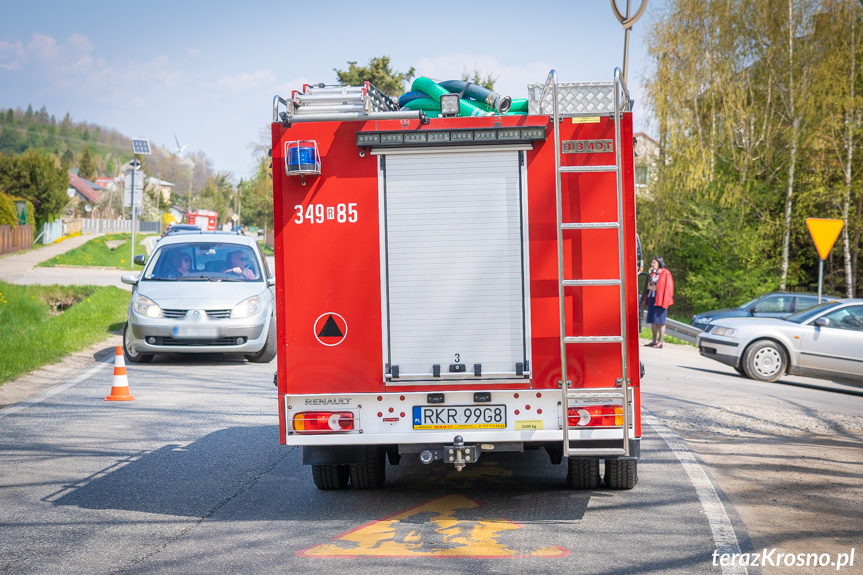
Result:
8,213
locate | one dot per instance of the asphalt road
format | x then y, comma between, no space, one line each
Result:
189,478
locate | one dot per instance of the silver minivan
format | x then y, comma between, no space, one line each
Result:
202,292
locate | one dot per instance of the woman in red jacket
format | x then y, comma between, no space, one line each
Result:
660,296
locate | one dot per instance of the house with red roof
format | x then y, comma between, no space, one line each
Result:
82,189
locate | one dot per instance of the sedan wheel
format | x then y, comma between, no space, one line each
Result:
267,354
130,351
765,361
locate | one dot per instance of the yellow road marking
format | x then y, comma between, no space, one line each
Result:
446,527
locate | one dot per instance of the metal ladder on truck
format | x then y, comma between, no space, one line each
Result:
619,395
326,103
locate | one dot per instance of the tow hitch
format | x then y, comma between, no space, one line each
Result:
458,453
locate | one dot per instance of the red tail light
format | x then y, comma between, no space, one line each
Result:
595,416
323,421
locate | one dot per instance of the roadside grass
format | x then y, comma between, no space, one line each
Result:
268,251
44,324
108,251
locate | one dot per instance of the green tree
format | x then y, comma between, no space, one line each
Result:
837,87
477,78
11,140
150,204
86,166
66,160
378,73
758,130
257,196
8,213
35,176
216,195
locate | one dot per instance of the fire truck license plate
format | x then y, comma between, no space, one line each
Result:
459,417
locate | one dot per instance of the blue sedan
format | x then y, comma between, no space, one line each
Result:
824,341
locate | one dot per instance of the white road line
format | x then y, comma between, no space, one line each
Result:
723,532
22,405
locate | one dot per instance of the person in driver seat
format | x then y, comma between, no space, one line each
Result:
239,264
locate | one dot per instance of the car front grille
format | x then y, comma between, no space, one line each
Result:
174,313
219,313
211,313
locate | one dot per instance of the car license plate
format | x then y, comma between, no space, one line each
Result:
459,417
195,332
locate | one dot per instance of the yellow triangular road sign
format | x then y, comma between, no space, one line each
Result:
824,232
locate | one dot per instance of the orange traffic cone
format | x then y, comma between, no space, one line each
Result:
120,389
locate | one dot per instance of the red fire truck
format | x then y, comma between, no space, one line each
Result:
438,275
207,220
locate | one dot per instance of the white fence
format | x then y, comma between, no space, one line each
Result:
103,226
50,232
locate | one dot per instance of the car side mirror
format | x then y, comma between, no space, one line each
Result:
131,279
140,260
822,322
271,282
753,309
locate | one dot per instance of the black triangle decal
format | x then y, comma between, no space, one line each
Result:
331,329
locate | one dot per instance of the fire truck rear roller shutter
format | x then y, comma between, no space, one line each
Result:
455,262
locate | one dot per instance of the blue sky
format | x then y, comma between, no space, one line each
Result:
208,71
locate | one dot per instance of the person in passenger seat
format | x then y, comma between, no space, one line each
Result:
182,264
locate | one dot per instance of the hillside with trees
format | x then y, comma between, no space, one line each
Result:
36,142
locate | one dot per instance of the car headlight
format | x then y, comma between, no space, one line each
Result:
146,307
248,307
723,331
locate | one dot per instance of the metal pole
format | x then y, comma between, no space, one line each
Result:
134,169
626,48
820,277
627,22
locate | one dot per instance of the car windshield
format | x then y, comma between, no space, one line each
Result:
203,261
749,303
809,313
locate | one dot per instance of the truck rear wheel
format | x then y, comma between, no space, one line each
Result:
329,477
583,473
370,474
621,473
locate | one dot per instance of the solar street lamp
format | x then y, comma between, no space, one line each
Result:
139,146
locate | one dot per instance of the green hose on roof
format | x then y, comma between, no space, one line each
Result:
425,104
518,106
467,106
435,91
